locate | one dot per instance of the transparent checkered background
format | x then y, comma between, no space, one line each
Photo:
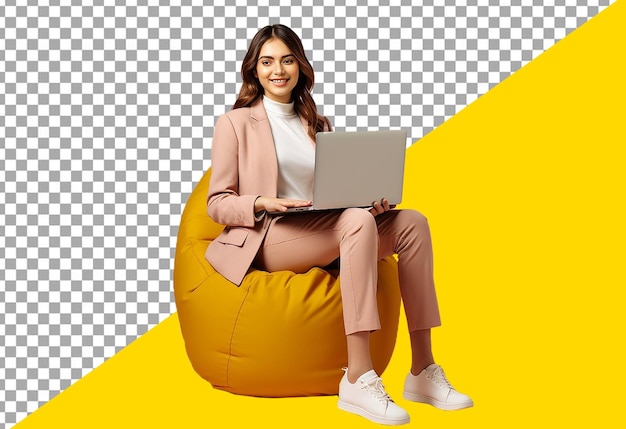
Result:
106,117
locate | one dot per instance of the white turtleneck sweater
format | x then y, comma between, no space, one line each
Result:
294,149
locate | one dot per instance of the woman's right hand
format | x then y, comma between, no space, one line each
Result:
278,204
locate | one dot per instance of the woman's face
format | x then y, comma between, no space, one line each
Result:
277,69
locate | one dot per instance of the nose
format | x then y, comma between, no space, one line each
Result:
278,68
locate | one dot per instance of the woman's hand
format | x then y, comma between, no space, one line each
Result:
278,204
382,207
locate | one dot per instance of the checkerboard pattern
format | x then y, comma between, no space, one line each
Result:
106,117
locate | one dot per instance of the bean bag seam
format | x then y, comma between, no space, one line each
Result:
232,336
202,261
207,274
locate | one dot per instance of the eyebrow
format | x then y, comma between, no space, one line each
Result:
271,58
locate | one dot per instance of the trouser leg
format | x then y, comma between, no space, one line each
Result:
301,241
406,233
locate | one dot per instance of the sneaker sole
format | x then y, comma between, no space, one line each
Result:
435,403
363,413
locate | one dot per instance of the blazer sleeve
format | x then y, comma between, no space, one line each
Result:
224,204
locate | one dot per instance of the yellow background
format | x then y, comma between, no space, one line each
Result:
524,191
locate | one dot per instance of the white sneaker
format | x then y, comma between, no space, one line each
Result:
367,398
431,387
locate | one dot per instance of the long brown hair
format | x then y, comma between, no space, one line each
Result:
251,89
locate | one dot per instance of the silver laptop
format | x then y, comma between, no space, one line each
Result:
356,168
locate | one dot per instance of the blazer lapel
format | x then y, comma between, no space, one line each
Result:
267,150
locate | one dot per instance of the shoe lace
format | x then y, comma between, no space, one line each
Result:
376,388
438,376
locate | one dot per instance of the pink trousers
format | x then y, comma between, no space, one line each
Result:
301,241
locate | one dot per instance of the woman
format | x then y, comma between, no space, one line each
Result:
263,161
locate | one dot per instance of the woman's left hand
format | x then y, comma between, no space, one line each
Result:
382,207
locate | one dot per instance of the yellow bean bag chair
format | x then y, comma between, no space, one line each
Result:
278,334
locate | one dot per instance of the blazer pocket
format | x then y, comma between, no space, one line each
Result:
233,236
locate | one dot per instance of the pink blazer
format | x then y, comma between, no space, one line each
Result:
243,167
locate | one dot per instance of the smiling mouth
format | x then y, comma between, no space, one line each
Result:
279,80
